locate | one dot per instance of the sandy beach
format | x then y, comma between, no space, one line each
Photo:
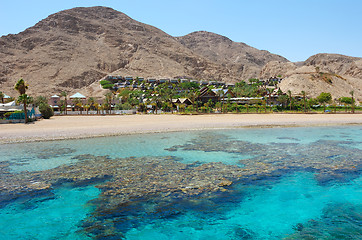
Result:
66,127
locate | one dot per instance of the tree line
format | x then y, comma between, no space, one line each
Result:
163,96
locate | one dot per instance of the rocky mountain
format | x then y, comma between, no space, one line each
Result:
239,58
334,73
73,49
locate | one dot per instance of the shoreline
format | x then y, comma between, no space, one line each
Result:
83,126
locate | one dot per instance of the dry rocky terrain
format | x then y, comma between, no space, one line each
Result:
71,50
332,73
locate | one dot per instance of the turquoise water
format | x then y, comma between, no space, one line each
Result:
285,183
55,216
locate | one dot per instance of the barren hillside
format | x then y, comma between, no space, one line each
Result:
337,74
74,48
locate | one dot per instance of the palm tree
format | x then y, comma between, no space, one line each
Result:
21,87
2,95
352,93
156,100
283,99
87,106
97,106
290,99
193,97
91,101
65,94
108,100
304,100
221,96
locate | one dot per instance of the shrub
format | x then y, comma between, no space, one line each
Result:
124,106
46,111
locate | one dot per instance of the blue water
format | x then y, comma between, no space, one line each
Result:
56,216
268,212
291,203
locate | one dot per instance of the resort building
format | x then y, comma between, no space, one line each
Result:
54,102
214,95
77,95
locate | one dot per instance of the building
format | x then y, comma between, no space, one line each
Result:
54,102
214,95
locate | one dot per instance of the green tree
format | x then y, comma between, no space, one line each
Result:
218,106
352,93
156,102
193,95
91,102
2,95
45,110
304,101
290,99
324,98
78,104
221,97
346,101
65,94
21,87
39,100
283,99
124,94
108,100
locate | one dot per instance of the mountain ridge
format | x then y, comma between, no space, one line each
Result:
72,49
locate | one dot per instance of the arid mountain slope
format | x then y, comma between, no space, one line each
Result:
237,57
334,73
74,48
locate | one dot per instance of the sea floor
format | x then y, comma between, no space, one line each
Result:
267,183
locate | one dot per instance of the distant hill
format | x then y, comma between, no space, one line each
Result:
72,49
334,73
240,59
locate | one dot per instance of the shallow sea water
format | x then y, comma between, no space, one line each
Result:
299,183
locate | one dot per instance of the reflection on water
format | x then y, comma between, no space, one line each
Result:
293,183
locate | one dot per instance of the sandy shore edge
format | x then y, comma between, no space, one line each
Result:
77,127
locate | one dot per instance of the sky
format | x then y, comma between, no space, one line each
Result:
295,29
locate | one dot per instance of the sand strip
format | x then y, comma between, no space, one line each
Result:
68,127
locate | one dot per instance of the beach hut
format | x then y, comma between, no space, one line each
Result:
78,95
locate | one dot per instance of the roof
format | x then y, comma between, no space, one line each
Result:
185,101
55,96
77,95
8,104
6,96
216,91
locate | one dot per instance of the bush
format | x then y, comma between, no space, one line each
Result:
124,106
46,111
106,84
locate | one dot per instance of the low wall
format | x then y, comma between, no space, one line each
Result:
2,121
115,112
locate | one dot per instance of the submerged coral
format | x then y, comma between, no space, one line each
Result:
329,159
339,221
135,190
125,181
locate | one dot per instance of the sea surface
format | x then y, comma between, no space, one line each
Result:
257,183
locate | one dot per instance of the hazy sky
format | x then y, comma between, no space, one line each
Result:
295,29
